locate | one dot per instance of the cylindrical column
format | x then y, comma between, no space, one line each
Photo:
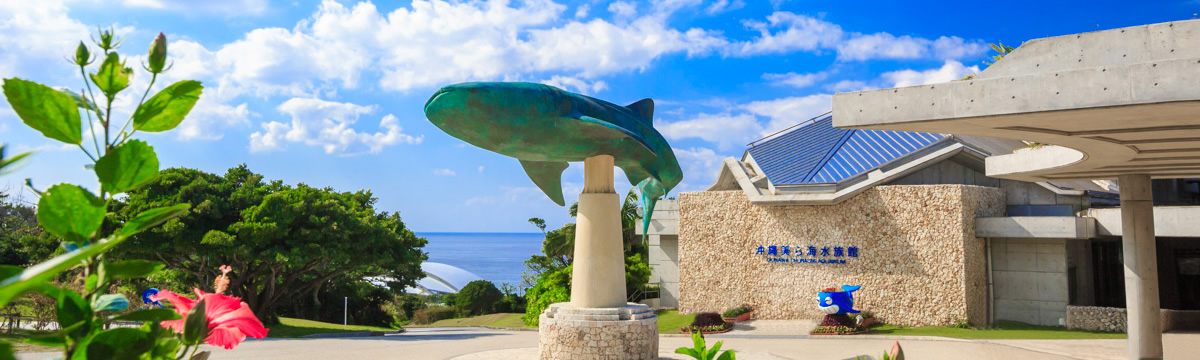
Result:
1141,268
598,276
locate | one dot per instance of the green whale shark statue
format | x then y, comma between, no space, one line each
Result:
546,127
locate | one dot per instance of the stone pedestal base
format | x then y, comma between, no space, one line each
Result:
626,333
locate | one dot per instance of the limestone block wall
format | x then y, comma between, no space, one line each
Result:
1114,319
919,262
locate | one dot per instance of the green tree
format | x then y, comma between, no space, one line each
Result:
478,297
283,241
22,241
539,223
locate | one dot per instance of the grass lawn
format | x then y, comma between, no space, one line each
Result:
294,328
503,320
670,321
19,346
1003,330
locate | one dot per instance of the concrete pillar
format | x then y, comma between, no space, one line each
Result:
1141,268
598,276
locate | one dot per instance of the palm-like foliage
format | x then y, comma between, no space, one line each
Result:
701,352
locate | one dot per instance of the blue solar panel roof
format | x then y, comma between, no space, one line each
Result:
821,153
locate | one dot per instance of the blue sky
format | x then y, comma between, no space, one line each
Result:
330,93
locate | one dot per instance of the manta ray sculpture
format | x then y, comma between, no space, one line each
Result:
546,127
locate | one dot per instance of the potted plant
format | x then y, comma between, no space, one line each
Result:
739,314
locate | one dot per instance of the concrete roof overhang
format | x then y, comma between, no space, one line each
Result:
1114,102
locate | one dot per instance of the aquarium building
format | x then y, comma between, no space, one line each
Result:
957,212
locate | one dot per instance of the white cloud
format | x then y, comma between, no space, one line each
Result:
223,7
786,32
433,42
623,9
582,11
950,71
444,172
801,33
789,111
700,166
37,35
480,169
721,6
796,80
850,85
317,122
726,130
576,84
888,46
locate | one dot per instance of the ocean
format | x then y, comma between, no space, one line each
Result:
495,257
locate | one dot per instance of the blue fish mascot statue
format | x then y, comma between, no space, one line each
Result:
834,302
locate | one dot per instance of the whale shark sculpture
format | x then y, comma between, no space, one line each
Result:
546,127
835,302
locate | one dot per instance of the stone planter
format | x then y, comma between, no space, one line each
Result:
868,322
728,328
746,316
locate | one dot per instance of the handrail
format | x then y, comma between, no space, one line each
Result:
814,119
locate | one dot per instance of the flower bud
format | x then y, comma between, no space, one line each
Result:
106,40
158,54
82,55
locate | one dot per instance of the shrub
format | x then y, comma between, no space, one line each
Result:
702,352
552,287
735,312
479,297
432,314
708,319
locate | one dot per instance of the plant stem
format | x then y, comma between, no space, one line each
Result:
91,127
126,136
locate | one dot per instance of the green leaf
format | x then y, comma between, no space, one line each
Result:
35,277
71,309
70,212
688,352
83,102
90,283
132,269
195,327
126,167
151,218
44,109
111,302
8,162
712,353
113,76
166,109
149,315
9,270
6,351
119,344
728,355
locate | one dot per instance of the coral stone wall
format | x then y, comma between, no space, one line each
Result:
918,259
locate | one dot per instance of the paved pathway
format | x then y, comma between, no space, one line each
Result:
768,344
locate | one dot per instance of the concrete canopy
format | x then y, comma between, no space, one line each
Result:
1115,102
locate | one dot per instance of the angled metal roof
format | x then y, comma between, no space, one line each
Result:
821,153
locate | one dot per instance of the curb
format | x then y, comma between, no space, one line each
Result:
351,334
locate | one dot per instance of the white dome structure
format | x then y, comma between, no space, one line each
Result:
439,278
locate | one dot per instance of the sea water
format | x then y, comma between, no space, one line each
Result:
496,257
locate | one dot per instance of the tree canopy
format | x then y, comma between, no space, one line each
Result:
282,241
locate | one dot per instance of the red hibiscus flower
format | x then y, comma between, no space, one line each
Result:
229,319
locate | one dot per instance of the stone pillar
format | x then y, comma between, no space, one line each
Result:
1141,268
598,324
598,276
